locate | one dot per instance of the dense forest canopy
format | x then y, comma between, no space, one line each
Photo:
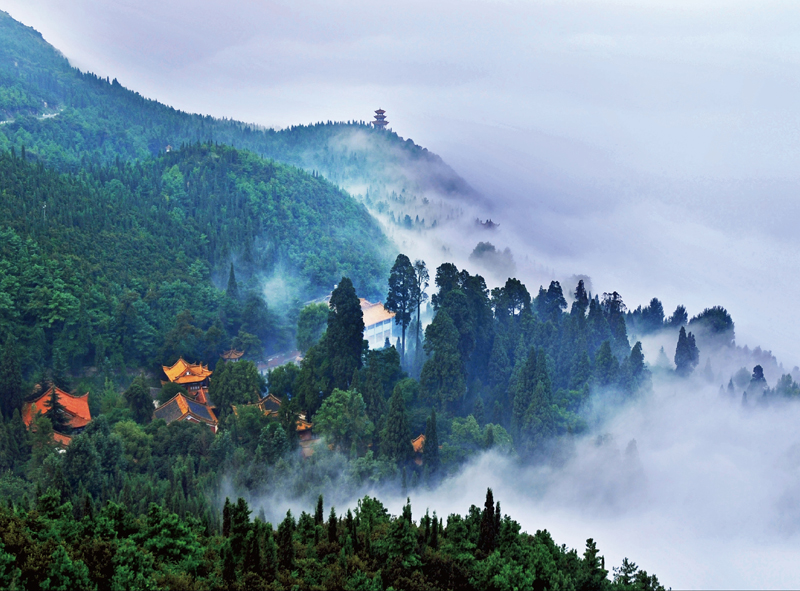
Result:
104,263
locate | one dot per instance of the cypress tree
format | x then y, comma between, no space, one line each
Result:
10,379
396,435
401,297
687,355
319,516
57,413
487,534
434,543
344,337
232,291
286,542
333,534
430,452
226,518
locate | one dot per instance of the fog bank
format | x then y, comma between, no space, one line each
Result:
708,499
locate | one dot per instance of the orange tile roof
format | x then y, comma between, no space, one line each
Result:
418,443
232,354
374,313
77,407
182,372
64,440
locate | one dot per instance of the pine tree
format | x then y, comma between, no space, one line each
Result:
430,452
226,518
593,576
344,338
478,411
286,542
442,377
396,435
139,400
402,298
333,533
687,356
319,516
10,379
487,534
232,290
57,413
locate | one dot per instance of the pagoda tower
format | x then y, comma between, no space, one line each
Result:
380,119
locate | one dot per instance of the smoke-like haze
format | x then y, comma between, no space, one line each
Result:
650,145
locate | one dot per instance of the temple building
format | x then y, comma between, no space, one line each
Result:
192,376
76,407
379,324
183,408
380,119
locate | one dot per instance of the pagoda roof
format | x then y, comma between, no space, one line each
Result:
182,372
270,404
374,313
232,354
77,407
180,407
380,111
418,443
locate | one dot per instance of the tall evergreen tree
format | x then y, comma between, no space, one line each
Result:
421,279
232,290
402,296
10,379
344,338
430,453
319,515
286,542
396,435
581,302
139,400
687,355
56,412
487,534
442,377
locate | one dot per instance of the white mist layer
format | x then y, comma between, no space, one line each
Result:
712,501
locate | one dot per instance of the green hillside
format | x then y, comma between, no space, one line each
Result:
102,262
63,116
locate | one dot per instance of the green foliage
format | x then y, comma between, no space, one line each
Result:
402,297
396,435
344,340
442,378
311,324
10,379
235,383
57,413
139,400
342,420
282,380
169,390
714,325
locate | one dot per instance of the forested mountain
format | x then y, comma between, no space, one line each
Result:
102,263
64,116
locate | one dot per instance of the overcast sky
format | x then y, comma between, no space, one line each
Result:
652,145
